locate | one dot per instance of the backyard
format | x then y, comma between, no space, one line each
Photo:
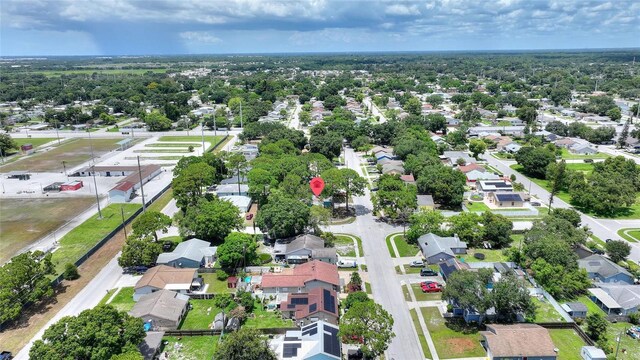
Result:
476,206
263,319
453,339
73,153
491,255
24,221
79,240
629,348
215,286
190,347
200,315
568,343
545,311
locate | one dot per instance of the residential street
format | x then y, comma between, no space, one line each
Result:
381,269
602,228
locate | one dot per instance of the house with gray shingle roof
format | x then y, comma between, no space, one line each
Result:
304,248
164,309
601,269
620,299
437,249
194,253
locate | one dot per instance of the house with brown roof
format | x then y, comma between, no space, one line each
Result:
302,278
565,142
165,277
306,308
518,342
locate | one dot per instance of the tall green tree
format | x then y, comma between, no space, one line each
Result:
245,344
618,250
424,222
556,174
237,248
477,147
96,334
371,323
510,298
139,252
535,160
211,220
188,186
468,228
149,223
24,280
157,122
283,216
497,229
7,143
445,184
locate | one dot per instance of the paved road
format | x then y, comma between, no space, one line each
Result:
374,109
381,270
602,228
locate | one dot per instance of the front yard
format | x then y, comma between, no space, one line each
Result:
421,296
452,338
404,248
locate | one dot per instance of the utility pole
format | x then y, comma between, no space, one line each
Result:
95,186
91,144
241,114
202,134
618,341
57,135
124,226
64,166
144,204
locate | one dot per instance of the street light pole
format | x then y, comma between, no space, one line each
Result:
144,204
95,185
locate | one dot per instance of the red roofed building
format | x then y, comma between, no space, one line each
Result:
302,278
307,308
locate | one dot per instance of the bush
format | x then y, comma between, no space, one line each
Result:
221,275
222,301
634,318
70,272
264,258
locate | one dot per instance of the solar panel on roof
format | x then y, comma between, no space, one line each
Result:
313,307
290,350
310,332
329,301
313,325
331,343
300,301
508,197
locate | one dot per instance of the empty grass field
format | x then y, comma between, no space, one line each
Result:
33,141
452,338
73,153
24,221
79,240
566,154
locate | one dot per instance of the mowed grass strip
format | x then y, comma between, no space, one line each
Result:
421,337
212,140
123,300
176,145
24,221
79,240
162,201
462,342
73,153
163,151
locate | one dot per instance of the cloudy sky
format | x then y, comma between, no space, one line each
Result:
140,27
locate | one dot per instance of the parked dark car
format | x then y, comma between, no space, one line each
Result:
167,246
428,272
6,355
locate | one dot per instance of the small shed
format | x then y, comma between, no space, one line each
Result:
575,309
592,353
232,282
71,185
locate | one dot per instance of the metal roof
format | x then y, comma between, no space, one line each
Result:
604,298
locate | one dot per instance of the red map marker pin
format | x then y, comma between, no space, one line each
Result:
316,184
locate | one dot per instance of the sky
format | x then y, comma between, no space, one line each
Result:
163,27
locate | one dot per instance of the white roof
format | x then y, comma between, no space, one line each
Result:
604,298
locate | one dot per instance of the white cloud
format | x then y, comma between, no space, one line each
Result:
200,37
402,10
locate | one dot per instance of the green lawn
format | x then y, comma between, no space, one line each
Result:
263,319
421,337
35,141
215,286
545,311
631,346
566,154
591,306
389,246
200,316
405,249
344,246
79,240
162,151
568,342
406,292
368,286
421,296
123,301
192,347
176,145
452,338
407,269
212,140
162,201
167,157
490,255
630,234
358,241
477,206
